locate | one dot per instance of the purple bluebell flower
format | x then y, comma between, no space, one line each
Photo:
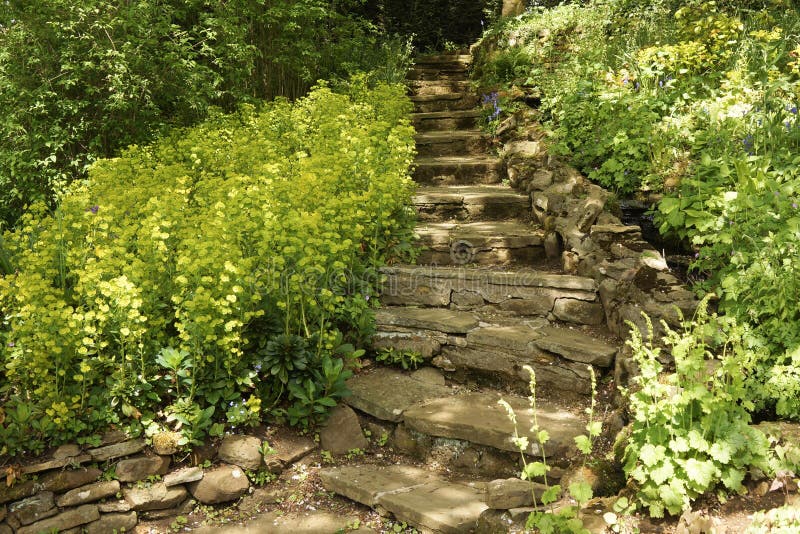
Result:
93,209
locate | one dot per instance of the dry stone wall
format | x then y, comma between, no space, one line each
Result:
68,491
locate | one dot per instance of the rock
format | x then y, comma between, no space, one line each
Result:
410,443
495,521
155,497
55,464
183,476
696,523
429,375
437,319
222,484
67,480
89,493
112,436
426,346
479,419
579,312
139,468
552,245
385,393
117,450
32,509
342,432
289,446
505,494
120,522
576,346
204,453
166,443
64,521
67,451
5,529
244,451
3,512
603,477
20,490
114,506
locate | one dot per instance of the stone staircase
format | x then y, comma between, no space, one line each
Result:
483,301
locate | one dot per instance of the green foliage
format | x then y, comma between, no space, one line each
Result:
783,520
436,23
405,358
217,266
81,80
697,100
690,432
564,519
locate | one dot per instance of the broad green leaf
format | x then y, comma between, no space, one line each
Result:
551,494
535,470
580,491
700,472
584,444
650,454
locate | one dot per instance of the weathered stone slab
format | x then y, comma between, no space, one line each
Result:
55,464
67,451
579,312
441,320
368,483
576,346
88,493
290,447
479,419
119,522
426,346
386,393
139,468
508,493
117,450
66,480
117,506
439,506
506,365
183,476
156,497
33,509
222,484
244,451
64,521
517,337
342,432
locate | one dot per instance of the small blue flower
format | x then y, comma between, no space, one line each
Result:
794,205
793,110
93,209
11,344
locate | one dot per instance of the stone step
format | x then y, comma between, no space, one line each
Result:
445,120
444,102
454,143
443,59
474,417
493,348
437,87
453,71
525,292
415,496
459,170
484,243
470,203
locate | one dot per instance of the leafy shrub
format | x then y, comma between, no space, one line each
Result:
690,431
218,265
81,80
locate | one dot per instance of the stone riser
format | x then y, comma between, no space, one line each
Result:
445,104
454,146
533,255
429,124
459,174
459,211
428,87
424,287
454,74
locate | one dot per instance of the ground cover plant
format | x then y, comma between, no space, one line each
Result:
206,281
692,106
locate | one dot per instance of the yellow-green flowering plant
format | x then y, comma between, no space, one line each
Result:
206,245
